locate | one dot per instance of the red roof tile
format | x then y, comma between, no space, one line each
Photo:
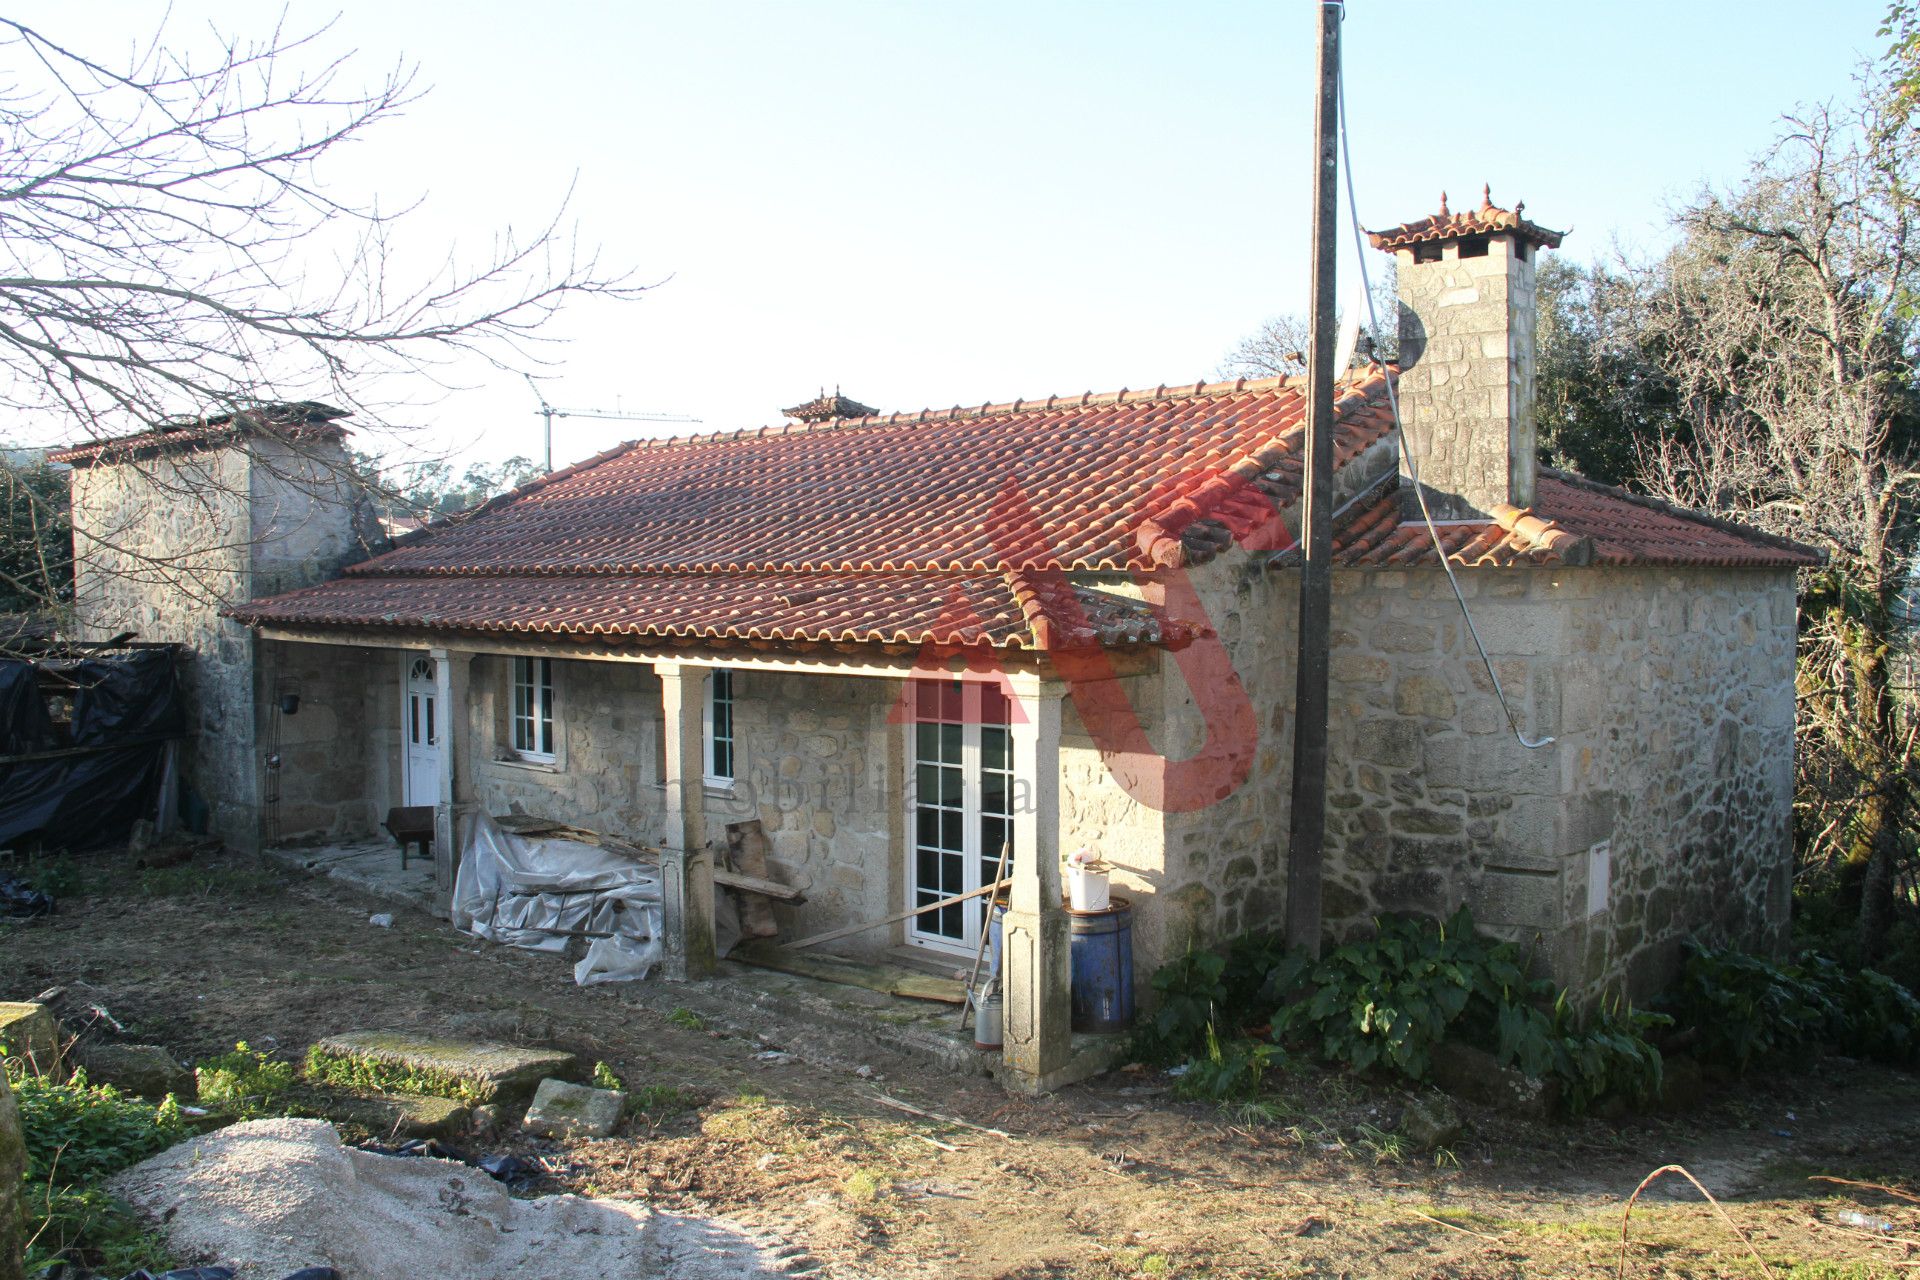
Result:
305,420
907,609
1573,521
1488,219
956,527
1093,483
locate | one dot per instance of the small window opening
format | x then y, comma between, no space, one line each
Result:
1473,247
1427,251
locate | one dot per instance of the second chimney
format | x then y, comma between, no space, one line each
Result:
1467,357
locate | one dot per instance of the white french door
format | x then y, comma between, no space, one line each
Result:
420,731
961,807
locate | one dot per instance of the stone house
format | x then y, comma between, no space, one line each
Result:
902,642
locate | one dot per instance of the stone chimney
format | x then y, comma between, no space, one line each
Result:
829,408
1467,357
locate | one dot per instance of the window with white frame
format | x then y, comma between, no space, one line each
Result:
719,728
533,709
962,806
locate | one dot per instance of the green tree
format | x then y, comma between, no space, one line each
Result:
36,535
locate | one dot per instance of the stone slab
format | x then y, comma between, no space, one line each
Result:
562,1110
13,1171
496,1070
30,1031
143,1069
398,1116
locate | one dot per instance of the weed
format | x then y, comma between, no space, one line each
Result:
78,1135
1228,1071
245,1081
370,1076
60,876
686,1019
1260,1111
1822,1269
603,1078
1443,1158
863,1186
1384,1147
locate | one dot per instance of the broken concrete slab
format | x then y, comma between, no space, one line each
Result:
562,1110
30,1032
470,1070
143,1069
399,1116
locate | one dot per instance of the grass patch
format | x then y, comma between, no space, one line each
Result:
864,1186
370,1076
245,1081
687,1020
657,1101
77,1136
195,880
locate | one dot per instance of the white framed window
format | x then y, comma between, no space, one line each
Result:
718,725
533,709
962,806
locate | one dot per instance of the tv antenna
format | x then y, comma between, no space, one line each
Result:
548,413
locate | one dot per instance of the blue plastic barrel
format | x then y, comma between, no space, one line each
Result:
1102,951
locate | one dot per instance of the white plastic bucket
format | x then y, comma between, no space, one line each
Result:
1086,889
988,1021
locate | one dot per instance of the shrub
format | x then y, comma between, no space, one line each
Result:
78,1135
1227,1072
1387,1002
603,1078
245,1081
1390,999
1745,1010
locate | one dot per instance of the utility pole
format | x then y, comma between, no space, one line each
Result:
1308,833
548,413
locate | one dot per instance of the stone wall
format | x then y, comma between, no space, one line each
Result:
162,543
1669,694
330,755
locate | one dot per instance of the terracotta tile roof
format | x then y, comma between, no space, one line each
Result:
865,530
1574,521
1447,225
305,419
905,609
1088,483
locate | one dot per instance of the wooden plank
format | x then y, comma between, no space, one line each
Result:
887,979
852,929
747,847
758,884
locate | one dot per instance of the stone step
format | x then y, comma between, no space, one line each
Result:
476,1070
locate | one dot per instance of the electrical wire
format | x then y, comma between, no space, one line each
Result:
1393,402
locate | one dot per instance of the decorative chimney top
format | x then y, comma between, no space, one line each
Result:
829,408
1488,219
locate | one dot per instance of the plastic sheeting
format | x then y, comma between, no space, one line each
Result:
536,893
126,706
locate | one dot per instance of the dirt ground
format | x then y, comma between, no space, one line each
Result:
1115,1178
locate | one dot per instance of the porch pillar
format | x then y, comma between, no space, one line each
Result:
686,865
451,670
1036,956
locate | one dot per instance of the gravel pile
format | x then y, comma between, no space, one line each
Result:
271,1196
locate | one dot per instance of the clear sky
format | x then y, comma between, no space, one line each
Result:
981,200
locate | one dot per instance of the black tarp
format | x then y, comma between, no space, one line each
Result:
24,725
126,707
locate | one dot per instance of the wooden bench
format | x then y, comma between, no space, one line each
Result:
411,824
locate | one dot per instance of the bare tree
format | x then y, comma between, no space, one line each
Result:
1779,319
1279,346
170,245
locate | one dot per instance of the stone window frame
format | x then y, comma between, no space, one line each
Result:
711,710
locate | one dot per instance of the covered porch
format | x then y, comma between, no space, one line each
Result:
822,756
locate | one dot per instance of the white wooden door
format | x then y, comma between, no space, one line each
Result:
962,807
420,730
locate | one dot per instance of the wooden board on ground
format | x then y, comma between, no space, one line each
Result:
888,979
